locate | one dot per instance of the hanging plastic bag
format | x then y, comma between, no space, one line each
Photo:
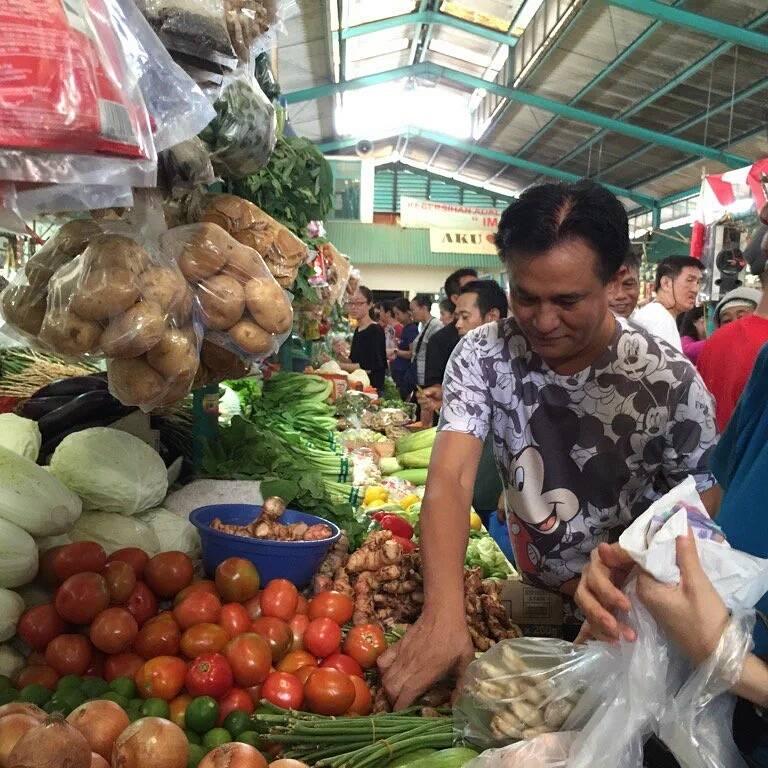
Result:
243,133
547,751
240,306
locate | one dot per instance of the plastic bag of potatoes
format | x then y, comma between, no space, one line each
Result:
523,688
240,305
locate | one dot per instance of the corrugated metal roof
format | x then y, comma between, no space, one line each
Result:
385,244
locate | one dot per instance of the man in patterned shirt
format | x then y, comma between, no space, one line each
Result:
592,418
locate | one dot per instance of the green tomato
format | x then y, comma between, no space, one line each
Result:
35,694
133,710
69,683
216,737
94,687
67,700
192,737
237,721
8,695
5,683
250,737
195,754
117,698
124,686
202,714
156,708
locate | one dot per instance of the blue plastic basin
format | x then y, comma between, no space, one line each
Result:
296,561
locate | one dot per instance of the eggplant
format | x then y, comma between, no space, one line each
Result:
73,385
98,405
39,406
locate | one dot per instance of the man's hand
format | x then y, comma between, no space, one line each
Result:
433,648
431,398
599,592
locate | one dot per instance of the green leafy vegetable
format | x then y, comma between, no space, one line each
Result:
484,553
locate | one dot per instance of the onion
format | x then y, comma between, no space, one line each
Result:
234,755
54,744
12,728
97,761
286,762
22,708
101,722
151,742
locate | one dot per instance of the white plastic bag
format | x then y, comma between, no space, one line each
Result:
549,750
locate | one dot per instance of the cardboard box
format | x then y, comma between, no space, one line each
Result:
537,612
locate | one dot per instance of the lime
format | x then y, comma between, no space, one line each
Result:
94,687
202,714
237,721
155,708
124,686
249,737
35,694
69,682
5,683
192,737
133,709
8,695
118,698
216,737
195,754
65,701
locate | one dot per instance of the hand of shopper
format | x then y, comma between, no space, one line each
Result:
432,649
691,612
431,398
599,592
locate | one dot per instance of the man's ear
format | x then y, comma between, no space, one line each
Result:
493,316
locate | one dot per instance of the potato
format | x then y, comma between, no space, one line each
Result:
286,282
134,332
67,334
24,308
135,382
222,301
221,362
176,389
163,286
116,252
68,242
182,313
252,338
207,250
267,303
175,356
244,263
105,293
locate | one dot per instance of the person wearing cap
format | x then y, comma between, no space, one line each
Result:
729,355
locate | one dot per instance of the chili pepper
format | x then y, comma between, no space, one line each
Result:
407,545
378,516
397,525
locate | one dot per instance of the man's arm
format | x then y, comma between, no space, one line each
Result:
439,643
711,499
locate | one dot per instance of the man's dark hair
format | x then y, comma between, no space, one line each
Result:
489,296
548,214
452,285
632,260
672,266
402,305
423,300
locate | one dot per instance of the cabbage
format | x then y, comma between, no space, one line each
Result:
111,470
11,608
332,368
11,661
20,435
18,555
34,499
115,531
174,532
359,376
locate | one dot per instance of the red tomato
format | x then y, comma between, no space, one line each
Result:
202,585
69,654
237,580
161,678
250,657
234,619
121,665
298,625
80,557
331,605
236,699
135,557
178,710
168,573
277,633
81,597
295,660
39,625
363,703
160,636
142,603
96,667
253,606
203,638
329,692
36,658
209,675
279,599
322,637
121,581
283,690
304,673
113,630
365,643
45,568
303,606
345,664
197,608
255,693
40,674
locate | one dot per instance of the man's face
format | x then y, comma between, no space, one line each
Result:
454,297
418,312
685,288
559,301
624,291
468,315
735,312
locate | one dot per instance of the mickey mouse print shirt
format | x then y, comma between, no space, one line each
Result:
580,456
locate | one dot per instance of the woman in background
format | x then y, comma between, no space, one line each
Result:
693,332
368,349
447,310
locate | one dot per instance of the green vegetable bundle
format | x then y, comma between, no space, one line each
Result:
484,553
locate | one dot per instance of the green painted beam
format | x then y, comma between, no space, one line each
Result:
501,157
720,30
430,17
678,197
591,118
